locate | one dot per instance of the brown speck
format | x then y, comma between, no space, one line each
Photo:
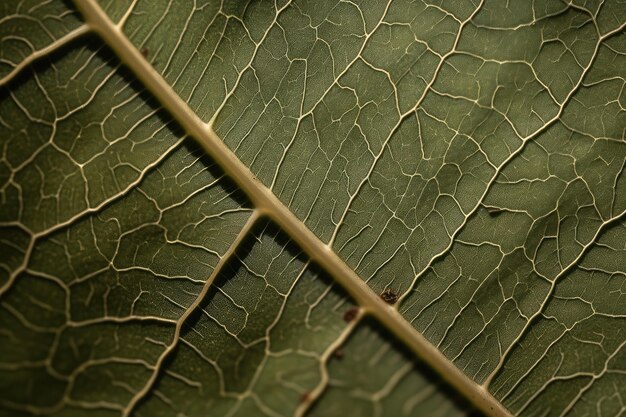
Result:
144,51
305,397
389,296
350,315
338,353
494,211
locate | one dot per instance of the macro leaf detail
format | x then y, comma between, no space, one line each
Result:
312,208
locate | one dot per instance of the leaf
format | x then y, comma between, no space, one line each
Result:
202,202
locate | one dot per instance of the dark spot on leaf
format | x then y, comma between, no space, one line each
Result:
144,51
350,315
389,296
494,211
305,397
338,353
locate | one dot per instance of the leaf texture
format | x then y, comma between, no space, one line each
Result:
467,156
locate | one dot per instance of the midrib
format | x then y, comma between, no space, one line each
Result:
267,204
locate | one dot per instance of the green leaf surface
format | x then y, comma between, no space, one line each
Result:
202,201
